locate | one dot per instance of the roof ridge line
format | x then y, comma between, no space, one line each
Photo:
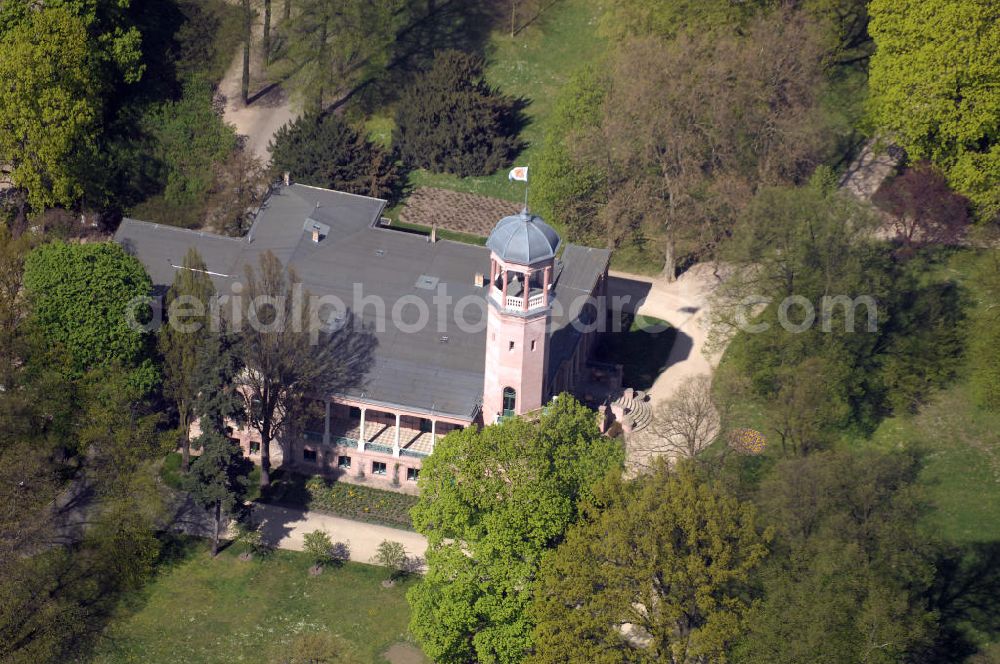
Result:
181,230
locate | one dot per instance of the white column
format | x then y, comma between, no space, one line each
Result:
433,434
395,445
361,431
326,425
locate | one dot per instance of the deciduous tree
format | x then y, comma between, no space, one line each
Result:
683,425
923,209
188,342
692,126
88,300
290,353
847,578
491,502
50,109
933,82
659,569
333,44
984,338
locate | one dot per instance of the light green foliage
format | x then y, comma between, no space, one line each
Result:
82,296
391,555
491,502
190,139
49,110
847,578
668,553
318,546
934,81
984,339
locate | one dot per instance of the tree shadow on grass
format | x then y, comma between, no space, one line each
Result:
464,25
966,596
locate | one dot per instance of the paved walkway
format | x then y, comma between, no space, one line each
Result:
285,527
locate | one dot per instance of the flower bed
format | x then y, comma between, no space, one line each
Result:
360,503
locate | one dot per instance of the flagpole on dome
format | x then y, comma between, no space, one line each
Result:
520,173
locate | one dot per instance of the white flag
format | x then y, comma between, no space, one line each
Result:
518,173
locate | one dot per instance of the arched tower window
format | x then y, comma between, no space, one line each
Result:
509,401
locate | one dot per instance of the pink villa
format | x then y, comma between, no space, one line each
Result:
507,327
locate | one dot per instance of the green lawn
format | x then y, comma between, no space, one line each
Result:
533,65
200,610
960,447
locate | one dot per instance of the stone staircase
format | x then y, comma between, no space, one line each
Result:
632,409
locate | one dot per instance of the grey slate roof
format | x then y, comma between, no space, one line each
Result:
437,369
523,238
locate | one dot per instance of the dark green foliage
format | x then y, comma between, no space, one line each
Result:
849,569
450,120
219,477
812,244
325,151
82,297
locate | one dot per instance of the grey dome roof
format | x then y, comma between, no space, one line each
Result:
523,238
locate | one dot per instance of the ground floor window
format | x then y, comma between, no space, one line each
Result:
509,401
309,455
378,468
412,474
343,462
254,447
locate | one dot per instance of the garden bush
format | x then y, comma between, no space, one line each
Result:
361,503
325,151
450,120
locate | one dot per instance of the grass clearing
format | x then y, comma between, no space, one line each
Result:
203,610
960,447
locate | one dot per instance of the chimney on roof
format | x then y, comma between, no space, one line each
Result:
434,233
287,177
480,280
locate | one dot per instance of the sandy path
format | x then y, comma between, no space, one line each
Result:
685,305
266,113
285,527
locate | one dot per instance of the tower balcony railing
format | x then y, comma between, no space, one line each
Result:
516,302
